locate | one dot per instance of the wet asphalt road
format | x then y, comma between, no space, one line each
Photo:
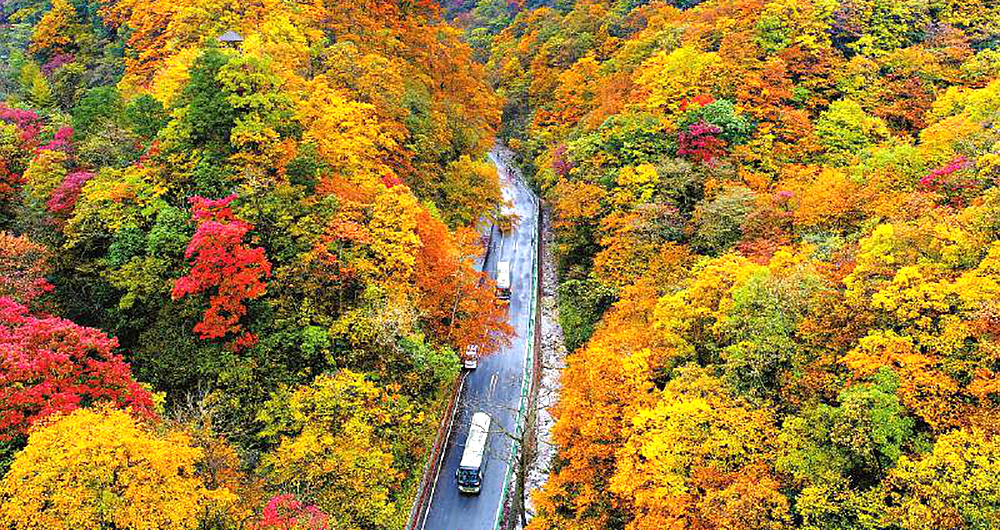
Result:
495,386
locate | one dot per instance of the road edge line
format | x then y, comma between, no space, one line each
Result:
421,498
527,378
437,474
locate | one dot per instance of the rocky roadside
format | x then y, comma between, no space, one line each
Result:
552,354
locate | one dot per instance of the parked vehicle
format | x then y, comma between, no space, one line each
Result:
503,280
471,359
470,470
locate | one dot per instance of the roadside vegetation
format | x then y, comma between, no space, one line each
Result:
777,242
234,275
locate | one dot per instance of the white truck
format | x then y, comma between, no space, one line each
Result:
503,280
471,359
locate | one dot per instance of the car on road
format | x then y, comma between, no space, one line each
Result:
470,470
471,359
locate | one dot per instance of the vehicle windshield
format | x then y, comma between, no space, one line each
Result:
468,476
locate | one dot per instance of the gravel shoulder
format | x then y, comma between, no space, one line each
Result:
552,359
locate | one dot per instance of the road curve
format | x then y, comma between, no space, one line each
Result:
494,387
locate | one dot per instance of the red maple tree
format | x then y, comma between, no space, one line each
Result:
50,365
223,264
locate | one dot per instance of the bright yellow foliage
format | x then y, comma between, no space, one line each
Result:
94,470
695,427
671,77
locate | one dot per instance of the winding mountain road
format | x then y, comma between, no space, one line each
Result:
495,386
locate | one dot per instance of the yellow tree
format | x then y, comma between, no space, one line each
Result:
668,78
953,486
99,469
346,133
56,31
689,449
336,447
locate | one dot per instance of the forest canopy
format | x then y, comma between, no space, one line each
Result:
246,265
776,234
235,275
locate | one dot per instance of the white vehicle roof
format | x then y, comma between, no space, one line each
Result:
475,444
503,274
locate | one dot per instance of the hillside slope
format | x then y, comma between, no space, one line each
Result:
263,249
777,242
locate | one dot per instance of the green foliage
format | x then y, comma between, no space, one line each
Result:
845,129
145,116
8,450
871,426
262,111
682,183
633,139
736,128
719,220
861,439
581,305
35,88
206,117
759,326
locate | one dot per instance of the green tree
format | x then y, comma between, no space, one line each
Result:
582,303
861,439
97,105
845,129
718,221
760,326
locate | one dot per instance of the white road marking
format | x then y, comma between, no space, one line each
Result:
526,208
444,450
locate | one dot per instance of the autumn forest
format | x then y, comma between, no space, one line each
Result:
238,275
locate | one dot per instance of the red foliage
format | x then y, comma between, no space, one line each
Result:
28,122
700,100
152,152
29,127
10,181
391,181
51,365
284,512
61,141
933,178
560,164
63,199
953,182
700,143
244,341
222,262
